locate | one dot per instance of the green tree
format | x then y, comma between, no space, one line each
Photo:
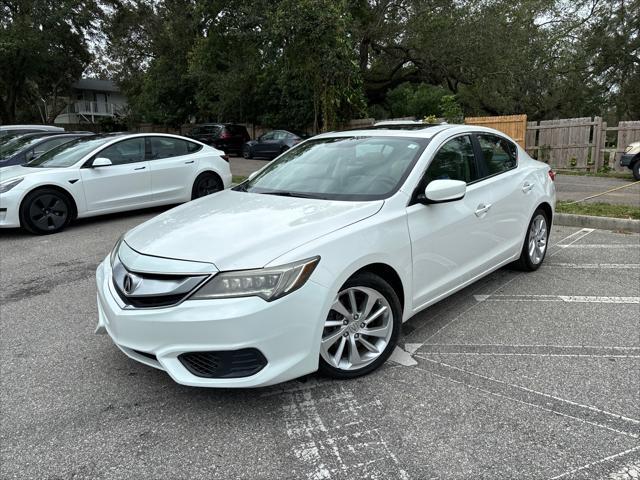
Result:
44,47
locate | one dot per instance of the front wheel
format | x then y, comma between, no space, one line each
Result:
247,153
45,211
361,329
206,184
636,169
535,245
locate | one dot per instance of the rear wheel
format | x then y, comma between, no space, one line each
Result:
45,211
361,329
206,183
247,153
535,244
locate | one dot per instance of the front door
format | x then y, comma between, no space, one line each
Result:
124,184
450,241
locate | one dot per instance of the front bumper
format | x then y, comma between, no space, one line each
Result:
9,208
626,159
286,331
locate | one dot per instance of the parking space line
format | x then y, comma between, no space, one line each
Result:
602,245
528,345
595,266
597,462
615,416
530,350
556,298
579,235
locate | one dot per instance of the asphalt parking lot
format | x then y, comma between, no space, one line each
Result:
527,376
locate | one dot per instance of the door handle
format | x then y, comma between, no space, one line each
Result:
140,168
190,161
482,209
526,188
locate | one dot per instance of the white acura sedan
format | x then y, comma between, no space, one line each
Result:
106,174
315,261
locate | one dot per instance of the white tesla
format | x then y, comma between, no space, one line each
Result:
314,262
106,174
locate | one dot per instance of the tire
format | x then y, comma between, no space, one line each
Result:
45,211
535,243
344,330
636,169
205,184
247,153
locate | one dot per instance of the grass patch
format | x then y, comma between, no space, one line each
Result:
238,179
599,210
579,173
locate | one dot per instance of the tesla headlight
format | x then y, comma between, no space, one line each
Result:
9,184
114,252
267,283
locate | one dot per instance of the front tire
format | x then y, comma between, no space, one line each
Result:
45,211
535,244
361,329
636,169
205,184
247,153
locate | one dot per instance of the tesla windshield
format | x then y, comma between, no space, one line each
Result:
68,154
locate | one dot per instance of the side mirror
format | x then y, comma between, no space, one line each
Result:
441,191
101,162
252,175
30,155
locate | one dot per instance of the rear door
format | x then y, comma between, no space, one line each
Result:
124,184
512,192
451,242
265,144
173,168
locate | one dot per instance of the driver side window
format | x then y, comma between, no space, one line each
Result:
127,151
454,161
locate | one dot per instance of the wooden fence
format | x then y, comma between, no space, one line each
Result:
513,125
580,143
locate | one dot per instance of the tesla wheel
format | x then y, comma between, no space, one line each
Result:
206,184
535,245
45,211
247,153
361,329
636,169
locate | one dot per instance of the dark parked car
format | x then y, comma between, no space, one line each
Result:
271,144
30,146
6,130
223,136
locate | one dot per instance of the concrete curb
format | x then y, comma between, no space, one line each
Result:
603,223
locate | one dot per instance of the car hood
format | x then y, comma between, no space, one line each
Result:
239,230
13,171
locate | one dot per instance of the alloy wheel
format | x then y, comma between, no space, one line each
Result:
206,186
48,212
357,330
537,239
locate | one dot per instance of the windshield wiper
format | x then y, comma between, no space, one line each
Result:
283,193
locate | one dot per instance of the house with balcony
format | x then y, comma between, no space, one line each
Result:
91,100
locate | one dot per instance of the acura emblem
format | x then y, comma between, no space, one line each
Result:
130,283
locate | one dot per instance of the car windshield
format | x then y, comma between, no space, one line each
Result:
67,154
11,148
340,168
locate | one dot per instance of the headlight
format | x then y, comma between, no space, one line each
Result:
9,184
114,252
267,283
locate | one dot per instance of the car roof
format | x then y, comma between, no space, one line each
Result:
421,131
26,127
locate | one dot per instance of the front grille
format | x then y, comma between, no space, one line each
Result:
152,290
224,364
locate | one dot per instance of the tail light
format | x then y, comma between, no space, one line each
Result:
225,134
552,175
225,157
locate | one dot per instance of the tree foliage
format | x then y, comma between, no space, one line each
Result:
318,63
